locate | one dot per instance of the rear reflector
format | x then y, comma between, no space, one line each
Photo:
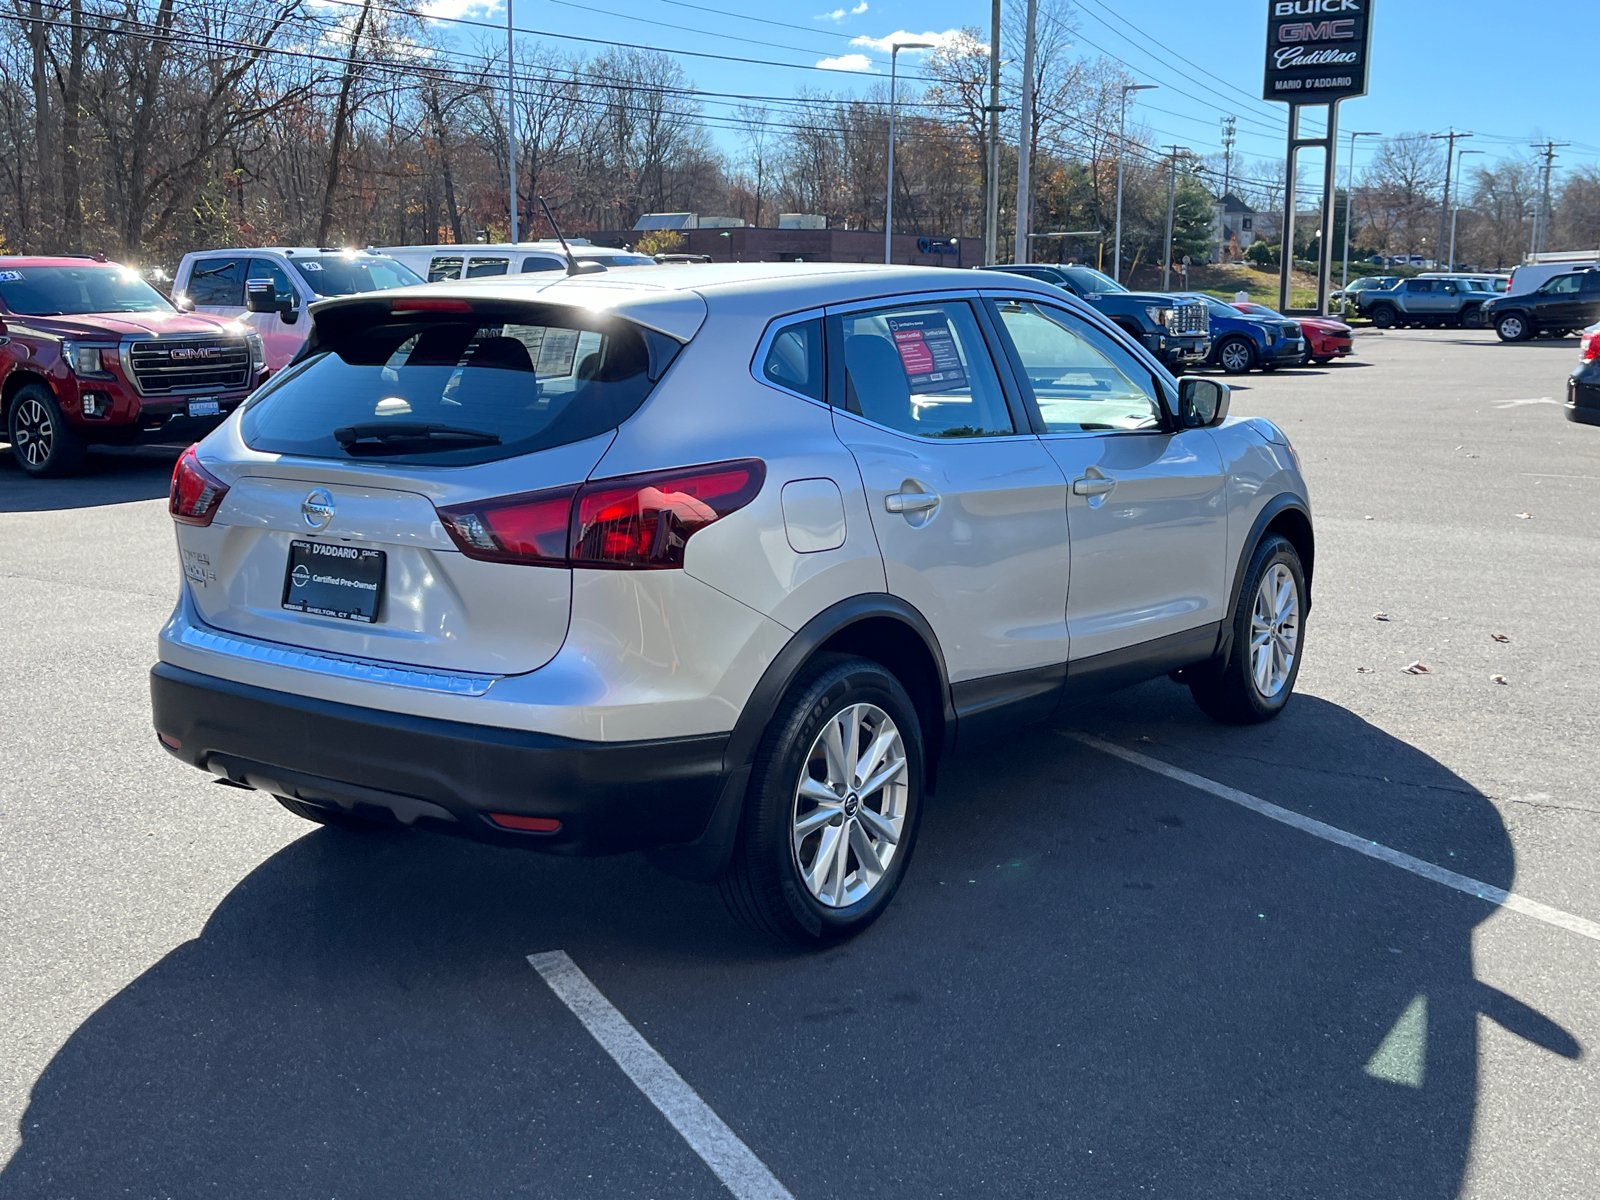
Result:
170,742
634,521
196,493
525,824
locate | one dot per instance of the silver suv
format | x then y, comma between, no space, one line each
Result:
719,562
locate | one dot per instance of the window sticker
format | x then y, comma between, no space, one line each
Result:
10,276
308,265
928,353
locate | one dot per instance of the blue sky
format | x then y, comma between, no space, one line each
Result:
1466,63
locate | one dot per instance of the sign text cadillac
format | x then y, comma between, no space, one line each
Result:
1317,50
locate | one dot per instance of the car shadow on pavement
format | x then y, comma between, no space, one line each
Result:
110,475
1096,981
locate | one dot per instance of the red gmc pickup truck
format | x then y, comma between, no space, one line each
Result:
90,352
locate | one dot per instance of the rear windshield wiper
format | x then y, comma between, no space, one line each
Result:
388,437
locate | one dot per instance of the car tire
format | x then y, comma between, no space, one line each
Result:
817,860
42,442
1472,318
1305,355
1513,327
1255,682
1384,316
1236,355
335,818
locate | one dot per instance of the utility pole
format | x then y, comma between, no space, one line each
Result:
991,230
1444,211
1122,154
1541,212
511,119
888,191
1229,124
1172,197
1456,211
1025,142
1349,191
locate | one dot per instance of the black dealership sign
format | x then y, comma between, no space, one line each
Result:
1317,50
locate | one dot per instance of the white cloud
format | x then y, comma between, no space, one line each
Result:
846,62
450,9
859,9
835,16
950,37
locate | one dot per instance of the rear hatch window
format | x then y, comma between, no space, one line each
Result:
456,388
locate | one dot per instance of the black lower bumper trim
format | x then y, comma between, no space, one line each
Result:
445,775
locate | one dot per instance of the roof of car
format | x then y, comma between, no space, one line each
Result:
675,299
284,250
54,260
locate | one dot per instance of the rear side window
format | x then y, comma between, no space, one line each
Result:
1418,285
482,268
444,268
794,359
529,265
218,281
458,390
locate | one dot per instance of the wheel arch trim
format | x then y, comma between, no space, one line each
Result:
1287,515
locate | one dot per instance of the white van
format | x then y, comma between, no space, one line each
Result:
480,261
1531,276
217,282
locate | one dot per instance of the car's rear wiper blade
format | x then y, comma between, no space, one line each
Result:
387,437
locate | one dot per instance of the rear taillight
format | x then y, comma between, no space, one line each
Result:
640,522
1589,347
196,493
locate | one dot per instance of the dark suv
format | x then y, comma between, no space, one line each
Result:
90,352
1561,305
1176,330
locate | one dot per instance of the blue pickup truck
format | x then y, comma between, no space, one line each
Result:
1172,328
1240,342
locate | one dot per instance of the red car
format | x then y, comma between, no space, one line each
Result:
1325,338
90,352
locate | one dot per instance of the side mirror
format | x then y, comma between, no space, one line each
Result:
261,295
288,315
181,302
1202,401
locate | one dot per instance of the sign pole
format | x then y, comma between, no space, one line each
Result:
1325,250
1286,231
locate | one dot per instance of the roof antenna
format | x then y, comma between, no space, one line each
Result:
574,267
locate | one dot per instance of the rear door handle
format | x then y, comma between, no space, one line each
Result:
910,502
1091,486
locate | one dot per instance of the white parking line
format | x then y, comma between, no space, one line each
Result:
1328,833
745,1175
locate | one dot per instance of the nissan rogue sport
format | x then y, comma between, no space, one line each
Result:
720,562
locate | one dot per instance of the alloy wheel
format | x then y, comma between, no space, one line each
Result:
33,432
1274,630
1236,357
850,805
1511,328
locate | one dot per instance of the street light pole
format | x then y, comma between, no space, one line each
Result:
1456,211
1025,139
888,203
511,120
991,229
1349,191
1122,153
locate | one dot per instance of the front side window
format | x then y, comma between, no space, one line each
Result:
283,290
1082,381
68,291
1563,285
457,391
923,369
483,268
530,265
794,359
218,282
347,274
444,267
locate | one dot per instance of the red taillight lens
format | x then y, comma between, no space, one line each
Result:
196,493
531,528
644,521
1589,347
429,304
526,824
635,521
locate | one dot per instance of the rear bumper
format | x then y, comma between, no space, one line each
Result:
1583,402
444,775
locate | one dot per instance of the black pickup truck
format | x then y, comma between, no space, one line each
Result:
1176,330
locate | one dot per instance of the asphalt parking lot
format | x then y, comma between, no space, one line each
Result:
1097,981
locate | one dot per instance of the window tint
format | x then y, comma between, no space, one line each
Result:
924,370
444,268
542,264
1591,281
455,392
1418,285
794,359
1082,381
265,268
482,268
1564,285
218,281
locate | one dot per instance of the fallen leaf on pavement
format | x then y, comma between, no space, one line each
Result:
1525,516
1363,670
1498,679
1380,616
1499,637
1417,668
1367,518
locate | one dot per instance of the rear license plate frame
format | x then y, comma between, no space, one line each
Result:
335,580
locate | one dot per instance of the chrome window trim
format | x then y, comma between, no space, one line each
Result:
336,666
774,327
